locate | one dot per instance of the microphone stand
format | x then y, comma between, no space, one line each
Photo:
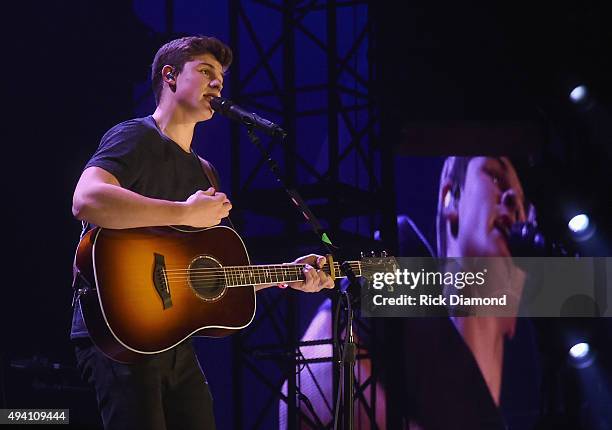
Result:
347,361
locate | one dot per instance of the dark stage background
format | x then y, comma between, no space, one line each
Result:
441,78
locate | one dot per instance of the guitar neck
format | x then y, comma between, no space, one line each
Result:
278,273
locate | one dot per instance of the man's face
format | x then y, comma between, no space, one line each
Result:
200,79
491,201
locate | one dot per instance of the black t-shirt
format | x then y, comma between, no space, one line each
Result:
147,162
442,385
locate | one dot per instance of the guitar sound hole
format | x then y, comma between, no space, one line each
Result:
207,284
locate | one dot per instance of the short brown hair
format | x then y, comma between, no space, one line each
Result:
179,51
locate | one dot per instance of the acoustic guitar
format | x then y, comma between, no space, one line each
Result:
144,290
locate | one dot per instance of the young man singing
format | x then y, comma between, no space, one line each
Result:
144,173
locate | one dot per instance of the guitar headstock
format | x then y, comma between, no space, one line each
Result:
373,263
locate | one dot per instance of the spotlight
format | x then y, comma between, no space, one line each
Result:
581,227
579,94
582,98
581,356
580,350
579,223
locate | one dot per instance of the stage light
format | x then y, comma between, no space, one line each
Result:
581,226
581,356
580,350
579,223
579,94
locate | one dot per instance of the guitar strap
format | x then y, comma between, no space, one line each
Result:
213,178
209,172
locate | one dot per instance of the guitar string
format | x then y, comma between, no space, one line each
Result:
205,284
254,279
208,284
336,264
256,268
239,271
245,269
264,267
222,274
211,277
225,274
234,271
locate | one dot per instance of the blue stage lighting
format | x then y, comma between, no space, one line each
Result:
579,94
580,350
581,356
579,223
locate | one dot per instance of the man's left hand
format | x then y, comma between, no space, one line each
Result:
315,278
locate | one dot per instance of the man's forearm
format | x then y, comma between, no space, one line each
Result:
111,206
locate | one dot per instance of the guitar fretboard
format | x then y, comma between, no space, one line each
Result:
276,273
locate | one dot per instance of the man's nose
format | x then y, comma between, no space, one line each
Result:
215,83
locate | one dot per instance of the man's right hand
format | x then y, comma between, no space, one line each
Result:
100,200
206,208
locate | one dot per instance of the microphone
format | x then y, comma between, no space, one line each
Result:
526,240
232,111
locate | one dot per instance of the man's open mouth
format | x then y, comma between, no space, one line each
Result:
503,224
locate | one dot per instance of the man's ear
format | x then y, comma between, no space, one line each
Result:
169,76
450,207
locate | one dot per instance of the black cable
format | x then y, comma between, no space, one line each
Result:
339,354
304,398
347,339
319,389
342,356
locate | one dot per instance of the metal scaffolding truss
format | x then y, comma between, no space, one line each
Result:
297,64
336,98
284,390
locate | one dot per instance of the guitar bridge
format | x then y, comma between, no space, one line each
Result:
161,281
